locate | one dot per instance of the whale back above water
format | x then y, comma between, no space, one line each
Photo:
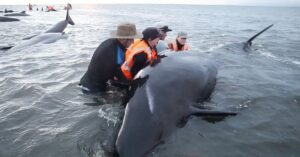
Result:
163,96
44,38
60,26
8,19
22,13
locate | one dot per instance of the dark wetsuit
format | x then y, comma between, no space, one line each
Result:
104,66
140,61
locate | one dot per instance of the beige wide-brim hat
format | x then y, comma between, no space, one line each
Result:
126,30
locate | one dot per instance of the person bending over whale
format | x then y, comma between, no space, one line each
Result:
141,53
108,58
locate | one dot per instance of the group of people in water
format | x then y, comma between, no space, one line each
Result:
118,59
48,7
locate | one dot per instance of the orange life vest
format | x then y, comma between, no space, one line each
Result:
139,46
185,47
50,8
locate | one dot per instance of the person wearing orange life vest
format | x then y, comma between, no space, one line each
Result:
29,7
141,53
180,43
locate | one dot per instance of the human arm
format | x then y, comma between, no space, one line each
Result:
140,61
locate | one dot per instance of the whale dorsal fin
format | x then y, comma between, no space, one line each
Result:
249,42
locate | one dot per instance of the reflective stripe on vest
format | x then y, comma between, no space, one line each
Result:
184,48
137,47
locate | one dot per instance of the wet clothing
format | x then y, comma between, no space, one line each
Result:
138,55
139,63
104,66
176,46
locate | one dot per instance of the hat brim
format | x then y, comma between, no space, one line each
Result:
138,35
168,30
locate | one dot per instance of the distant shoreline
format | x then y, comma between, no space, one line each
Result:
279,6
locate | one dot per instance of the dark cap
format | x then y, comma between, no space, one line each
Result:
150,33
165,29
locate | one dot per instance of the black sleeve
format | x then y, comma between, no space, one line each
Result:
139,63
104,61
101,67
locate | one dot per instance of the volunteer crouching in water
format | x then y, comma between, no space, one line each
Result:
141,53
105,65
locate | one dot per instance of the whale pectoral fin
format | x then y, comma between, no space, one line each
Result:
205,112
201,106
31,36
6,46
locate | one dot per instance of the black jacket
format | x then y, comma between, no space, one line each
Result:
103,66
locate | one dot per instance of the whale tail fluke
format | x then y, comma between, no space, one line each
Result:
69,19
249,41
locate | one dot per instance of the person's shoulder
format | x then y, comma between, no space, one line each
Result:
105,47
109,41
107,44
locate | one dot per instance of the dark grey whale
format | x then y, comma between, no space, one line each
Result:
45,38
57,28
22,13
6,11
60,26
5,46
8,19
50,36
164,96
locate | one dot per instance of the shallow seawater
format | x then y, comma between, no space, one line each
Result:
44,113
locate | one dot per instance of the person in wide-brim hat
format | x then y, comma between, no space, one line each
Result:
126,31
107,59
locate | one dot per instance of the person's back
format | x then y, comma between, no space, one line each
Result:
100,69
108,58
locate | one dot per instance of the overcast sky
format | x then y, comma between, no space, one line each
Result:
203,2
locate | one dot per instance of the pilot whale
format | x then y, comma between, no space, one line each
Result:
22,13
163,96
57,28
50,36
7,19
45,38
60,26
